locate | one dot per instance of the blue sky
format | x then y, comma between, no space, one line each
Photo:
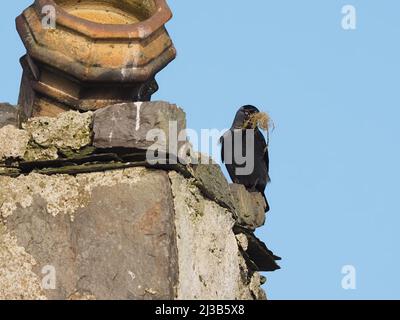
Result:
334,97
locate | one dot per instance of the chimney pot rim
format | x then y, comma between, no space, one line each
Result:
95,30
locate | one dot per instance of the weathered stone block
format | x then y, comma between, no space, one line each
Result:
8,115
207,248
211,180
120,243
250,207
210,264
133,125
68,132
46,138
14,143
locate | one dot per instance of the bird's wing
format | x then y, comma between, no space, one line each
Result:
263,145
266,157
222,142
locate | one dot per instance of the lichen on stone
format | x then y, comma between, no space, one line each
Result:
211,266
64,194
35,152
48,136
13,143
17,280
242,241
44,138
249,283
207,247
83,297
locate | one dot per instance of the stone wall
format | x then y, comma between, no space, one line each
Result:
8,114
81,222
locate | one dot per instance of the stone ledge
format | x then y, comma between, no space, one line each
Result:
46,138
257,255
123,126
250,206
212,182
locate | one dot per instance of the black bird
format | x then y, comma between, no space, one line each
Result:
257,179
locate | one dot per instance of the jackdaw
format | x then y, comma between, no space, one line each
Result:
245,152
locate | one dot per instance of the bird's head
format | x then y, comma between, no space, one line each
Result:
244,116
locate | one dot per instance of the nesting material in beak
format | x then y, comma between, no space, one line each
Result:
261,120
